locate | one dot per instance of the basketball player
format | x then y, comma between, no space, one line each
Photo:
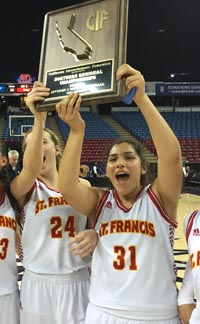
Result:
189,295
55,284
9,300
133,278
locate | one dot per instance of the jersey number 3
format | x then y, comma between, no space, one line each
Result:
3,248
121,254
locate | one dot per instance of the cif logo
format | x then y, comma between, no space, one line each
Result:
96,22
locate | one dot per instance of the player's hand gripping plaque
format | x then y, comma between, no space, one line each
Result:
82,47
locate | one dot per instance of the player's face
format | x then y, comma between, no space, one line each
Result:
50,151
124,168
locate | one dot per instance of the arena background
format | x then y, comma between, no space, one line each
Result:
163,43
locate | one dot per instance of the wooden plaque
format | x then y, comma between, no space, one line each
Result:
82,47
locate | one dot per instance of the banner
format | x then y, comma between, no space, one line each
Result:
178,89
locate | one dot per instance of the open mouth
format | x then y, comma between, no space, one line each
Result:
123,177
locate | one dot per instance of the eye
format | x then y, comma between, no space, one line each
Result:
112,159
130,157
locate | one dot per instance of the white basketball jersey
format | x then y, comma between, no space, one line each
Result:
8,265
49,223
133,266
192,231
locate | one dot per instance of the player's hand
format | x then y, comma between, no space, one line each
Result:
83,243
133,79
68,111
38,93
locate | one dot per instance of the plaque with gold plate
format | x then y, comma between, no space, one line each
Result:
82,47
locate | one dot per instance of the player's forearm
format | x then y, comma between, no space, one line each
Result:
69,168
166,143
185,312
33,157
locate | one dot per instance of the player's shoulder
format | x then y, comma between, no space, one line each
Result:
189,220
85,182
191,216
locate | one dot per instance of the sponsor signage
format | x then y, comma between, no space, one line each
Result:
178,89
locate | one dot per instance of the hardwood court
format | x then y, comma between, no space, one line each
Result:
187,203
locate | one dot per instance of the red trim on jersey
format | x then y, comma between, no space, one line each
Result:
120,204
2,196
156,202
189,224
28,196
19,247
99,209
50,188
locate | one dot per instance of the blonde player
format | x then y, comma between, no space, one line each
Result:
9,299
55,284
189,295
133,278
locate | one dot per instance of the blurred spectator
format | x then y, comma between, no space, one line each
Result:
13,166
84,171
190,174
95,170
97,176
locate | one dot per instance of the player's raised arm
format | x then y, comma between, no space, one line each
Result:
77,194
33,157
169,180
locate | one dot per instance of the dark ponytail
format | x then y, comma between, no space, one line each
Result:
5,185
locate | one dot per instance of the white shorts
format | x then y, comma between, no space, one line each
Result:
195,317
98,315
9,308
52,299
